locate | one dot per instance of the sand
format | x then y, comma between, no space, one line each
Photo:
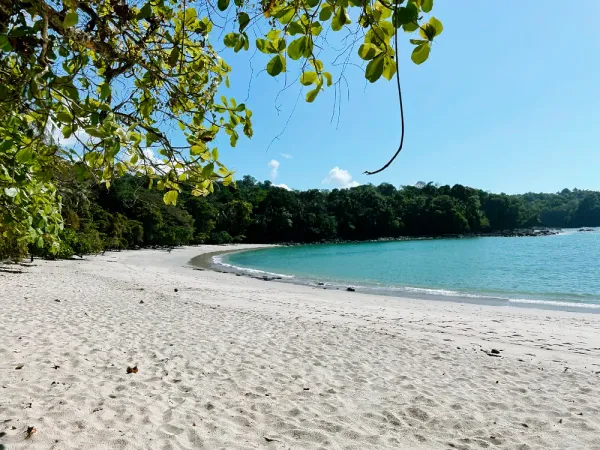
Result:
229,362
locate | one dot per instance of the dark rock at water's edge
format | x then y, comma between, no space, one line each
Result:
526,232
265,278
351,289
585,229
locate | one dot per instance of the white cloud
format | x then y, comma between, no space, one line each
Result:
56,136
283,186
151,156
340,178
286,155
274,165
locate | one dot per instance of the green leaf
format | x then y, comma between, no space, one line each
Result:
71,19
427,31
325,13
300,47
296,48
24,156
308,78
421,53
426,5
368,51
5,145
243,20
95,132
312,3
265,46
285,15
222,4
104,91
190,15
215,154
405,15
389,67
387,28
35,89
134,159
5,43
231,39
435,23
197,149
273,34
316,28
276,66
170,197
295,28
135,137
145,12
340,19
67,131
317,64
328,77
239,45
311,95
343,16
208,170
410,27
64,117
374,69
174,56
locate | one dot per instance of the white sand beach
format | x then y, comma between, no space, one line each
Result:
231,362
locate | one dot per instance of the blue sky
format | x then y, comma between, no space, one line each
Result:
508,102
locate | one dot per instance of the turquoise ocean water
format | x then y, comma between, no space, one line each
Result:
558,272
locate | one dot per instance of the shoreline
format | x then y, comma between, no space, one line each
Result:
234,362
206,262
518,232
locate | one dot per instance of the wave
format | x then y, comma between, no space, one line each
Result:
218,260
430,291
554,303
390,290
481,297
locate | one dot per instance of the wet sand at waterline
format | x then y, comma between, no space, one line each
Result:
237,363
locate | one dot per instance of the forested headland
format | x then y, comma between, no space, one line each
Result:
128,215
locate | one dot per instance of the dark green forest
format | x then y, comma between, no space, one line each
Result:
128,215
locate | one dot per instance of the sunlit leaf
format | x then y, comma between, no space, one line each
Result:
71,19
426,5
368,51
312,95
420,53
308,78
231,39
276,66
325,13
170,197
435,23
374,69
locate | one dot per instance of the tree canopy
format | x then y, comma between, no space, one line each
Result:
128,215
115,76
